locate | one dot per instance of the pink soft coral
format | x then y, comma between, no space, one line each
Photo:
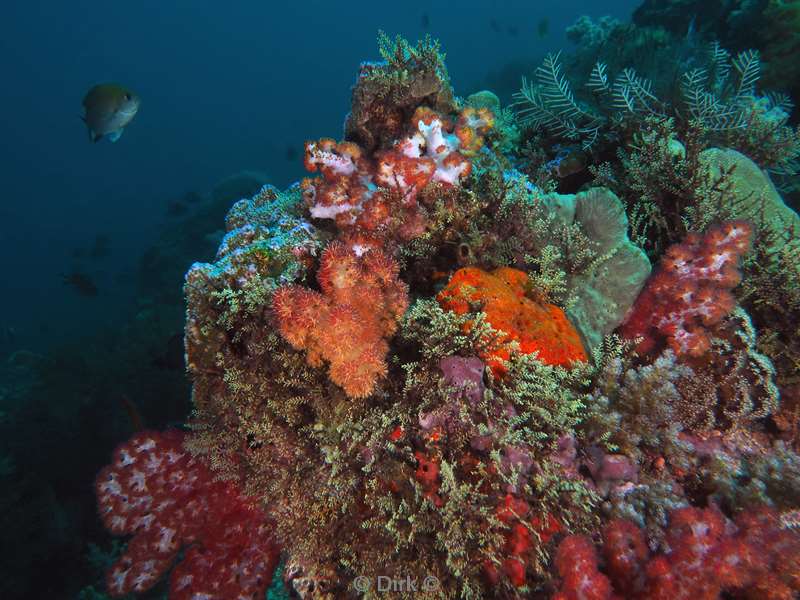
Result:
690,291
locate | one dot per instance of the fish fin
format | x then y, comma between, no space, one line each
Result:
82,118
115,135
95,137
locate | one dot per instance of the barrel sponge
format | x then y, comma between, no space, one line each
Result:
605,291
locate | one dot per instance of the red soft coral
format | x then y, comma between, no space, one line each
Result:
690,291
707,558
625,551
576,562
168,500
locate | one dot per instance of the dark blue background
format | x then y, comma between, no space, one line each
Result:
224,87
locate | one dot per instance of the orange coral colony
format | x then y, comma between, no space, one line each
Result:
349,323
536,326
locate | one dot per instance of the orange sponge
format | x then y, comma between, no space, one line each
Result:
536,326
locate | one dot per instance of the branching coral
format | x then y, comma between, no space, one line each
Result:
347,324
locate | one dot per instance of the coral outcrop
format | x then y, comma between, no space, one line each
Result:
443,359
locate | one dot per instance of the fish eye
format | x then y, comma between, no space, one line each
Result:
128,96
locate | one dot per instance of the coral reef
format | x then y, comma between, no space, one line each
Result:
443,360
756,198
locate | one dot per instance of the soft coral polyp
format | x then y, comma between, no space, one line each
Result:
170,500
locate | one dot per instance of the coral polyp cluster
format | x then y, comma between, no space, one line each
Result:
346,325
431,364
375,199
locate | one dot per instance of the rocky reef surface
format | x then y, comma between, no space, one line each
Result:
548,350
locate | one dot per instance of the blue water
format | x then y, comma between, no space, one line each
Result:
223,89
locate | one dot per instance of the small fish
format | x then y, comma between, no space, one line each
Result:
495,26
81,283
512,30
291,153
543,27
426,21
109,108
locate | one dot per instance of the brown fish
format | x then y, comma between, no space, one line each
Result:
109,108
81,283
